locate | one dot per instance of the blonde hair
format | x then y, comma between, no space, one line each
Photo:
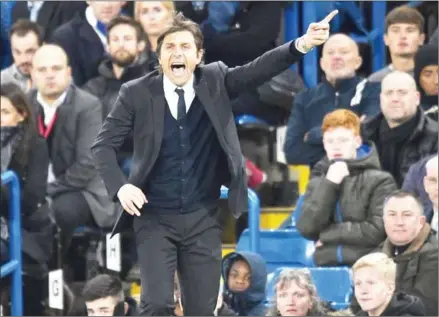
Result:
169,5
302,277
380,262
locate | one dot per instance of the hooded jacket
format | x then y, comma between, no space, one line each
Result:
426,56
346,218
252,301
401,304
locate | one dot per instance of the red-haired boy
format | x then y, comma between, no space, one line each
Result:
343,204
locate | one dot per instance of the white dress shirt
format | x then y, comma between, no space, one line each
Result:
434,222
172,97
91,19
49,112
34,8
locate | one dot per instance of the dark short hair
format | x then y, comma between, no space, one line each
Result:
23,26
124,20
20,102
404,14
181,23
400,193
102,286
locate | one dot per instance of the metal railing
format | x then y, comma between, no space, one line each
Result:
14,265
254,212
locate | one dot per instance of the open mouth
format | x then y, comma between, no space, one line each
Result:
178,69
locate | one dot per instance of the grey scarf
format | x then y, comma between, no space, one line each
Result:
10,138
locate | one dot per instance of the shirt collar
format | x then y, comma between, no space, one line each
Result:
58,102
168,85
34,4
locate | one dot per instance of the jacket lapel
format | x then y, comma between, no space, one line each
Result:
46,12
62,114
203,94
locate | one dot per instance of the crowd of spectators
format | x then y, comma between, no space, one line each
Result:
371,143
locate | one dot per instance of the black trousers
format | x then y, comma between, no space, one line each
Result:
189,243
71,211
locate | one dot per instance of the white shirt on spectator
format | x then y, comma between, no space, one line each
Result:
34,8
172,97
49,112
434,222
91,19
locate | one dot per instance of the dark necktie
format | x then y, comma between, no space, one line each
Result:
181,104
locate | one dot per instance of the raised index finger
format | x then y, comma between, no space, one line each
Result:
330,16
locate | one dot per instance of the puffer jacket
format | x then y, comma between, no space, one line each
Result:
346,218
422,142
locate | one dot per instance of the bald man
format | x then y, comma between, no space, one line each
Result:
69,118
340,88
402,132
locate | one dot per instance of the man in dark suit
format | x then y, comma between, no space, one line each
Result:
69,119
84,38
47,14
185,147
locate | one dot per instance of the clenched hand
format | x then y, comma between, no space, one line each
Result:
132,199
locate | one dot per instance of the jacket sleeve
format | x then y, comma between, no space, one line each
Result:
426,282
117,125
410,183
264,27
34,187
64,37
367,233
242,78
370,100
34,190
78,175
319,204
295,148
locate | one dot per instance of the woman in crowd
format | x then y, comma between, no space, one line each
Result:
154,17
24,152
296,295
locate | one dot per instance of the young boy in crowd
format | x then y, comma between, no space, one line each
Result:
104,296
245,277
374,278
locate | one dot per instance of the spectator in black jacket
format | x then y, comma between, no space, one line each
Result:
251,31
341,88
24,152
84,38
125,62
426,77
402,133
126,44
47,14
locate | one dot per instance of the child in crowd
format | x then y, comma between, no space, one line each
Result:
245,277
374,278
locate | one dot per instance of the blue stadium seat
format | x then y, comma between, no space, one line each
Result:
281,248
248,119
291,220
333,284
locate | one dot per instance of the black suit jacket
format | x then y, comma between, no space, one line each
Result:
140,109
83,47
51,15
